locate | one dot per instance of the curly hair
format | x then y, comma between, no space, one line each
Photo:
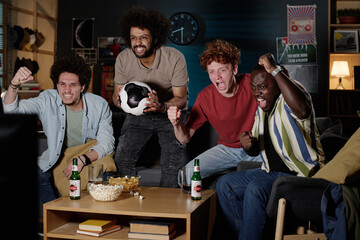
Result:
75,65
156,22
220,51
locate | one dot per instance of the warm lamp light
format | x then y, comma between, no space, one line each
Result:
340,69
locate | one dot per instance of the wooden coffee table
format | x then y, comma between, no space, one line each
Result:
193,219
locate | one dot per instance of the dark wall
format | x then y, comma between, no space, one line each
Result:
250,25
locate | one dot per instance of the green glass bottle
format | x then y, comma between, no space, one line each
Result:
196,180
75,181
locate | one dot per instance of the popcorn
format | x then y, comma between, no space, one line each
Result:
102,192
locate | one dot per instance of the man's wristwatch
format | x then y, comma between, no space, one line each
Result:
276,70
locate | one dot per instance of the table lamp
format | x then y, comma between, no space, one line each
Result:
340,69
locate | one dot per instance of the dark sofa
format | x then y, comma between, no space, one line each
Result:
148,166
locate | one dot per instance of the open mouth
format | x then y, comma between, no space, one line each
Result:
261,102
221,86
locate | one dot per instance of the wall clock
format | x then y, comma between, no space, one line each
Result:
185,28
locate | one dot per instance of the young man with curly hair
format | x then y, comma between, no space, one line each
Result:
227,104
164,69
70,117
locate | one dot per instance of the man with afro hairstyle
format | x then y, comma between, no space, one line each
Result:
227,104
164,69
70,117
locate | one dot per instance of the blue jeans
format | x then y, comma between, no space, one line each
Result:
47,188
136,132
243,197
217,159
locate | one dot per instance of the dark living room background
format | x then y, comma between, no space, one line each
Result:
251,25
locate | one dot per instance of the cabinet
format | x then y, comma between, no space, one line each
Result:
38,15
343,104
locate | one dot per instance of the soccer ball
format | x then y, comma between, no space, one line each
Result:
133,97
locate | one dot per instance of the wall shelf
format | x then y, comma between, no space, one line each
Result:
343,104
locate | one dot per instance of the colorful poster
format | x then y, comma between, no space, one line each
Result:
301,24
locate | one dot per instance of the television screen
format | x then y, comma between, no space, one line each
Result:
18,178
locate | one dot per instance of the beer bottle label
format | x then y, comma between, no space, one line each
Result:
75,188
196,169
75,168
196,188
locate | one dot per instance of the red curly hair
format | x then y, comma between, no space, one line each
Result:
220,51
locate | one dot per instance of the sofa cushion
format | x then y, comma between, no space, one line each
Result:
323,123
344,168
335,128
332,140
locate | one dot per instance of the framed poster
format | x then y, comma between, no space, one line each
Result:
301,24
346,41
110,47
294,53
83,33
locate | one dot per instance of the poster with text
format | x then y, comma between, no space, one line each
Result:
294,53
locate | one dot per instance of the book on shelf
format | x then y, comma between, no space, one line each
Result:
29,86
28,91
112,229
139,235
151,226
96,224
31,83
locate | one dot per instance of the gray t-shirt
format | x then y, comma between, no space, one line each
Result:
168,70
74,119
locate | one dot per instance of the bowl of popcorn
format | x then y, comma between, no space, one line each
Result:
104,192
130,183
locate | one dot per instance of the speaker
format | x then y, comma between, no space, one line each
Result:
357,77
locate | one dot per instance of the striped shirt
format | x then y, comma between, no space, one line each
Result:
297,141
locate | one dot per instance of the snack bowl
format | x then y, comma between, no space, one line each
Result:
104,192
130,183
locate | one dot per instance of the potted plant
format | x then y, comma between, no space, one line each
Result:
349,15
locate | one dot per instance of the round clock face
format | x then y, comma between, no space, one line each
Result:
184,28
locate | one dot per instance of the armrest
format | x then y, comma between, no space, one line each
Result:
303,196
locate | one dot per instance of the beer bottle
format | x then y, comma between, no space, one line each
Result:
75,181
196,182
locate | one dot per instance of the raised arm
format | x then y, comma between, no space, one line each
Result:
293,93
182,133
21,76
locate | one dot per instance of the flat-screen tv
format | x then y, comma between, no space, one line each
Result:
19,202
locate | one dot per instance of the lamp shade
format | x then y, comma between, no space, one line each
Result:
340,69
